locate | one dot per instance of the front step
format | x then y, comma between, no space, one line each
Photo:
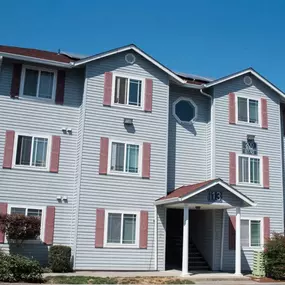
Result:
196,261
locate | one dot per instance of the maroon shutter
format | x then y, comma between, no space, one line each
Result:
266,228
264,114
8,151
265,171
232,108
60,84
3,211
146,160
108,89
16,80
148,95
99,231
232,232
143,229
54,157
104,147
49,226
232,168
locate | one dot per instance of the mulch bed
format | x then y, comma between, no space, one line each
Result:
265,280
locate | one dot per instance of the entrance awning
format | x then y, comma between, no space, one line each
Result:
211,194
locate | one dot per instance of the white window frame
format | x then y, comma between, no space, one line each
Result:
259,110
260,174
261,233
122,245
129,77
39,69
192,103
43,219
48,137
124,173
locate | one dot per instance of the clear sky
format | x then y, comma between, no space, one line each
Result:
206,37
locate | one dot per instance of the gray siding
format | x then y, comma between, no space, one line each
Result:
229,139
121,192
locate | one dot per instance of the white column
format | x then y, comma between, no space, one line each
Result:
185,251
238,244
155,238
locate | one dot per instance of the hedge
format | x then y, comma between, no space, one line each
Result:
60,258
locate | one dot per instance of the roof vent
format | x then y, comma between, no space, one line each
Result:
247,80
130,58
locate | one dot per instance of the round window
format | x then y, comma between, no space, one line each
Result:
184,110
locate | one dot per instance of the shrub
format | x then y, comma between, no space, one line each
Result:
59,258
15,268
20,227
274,256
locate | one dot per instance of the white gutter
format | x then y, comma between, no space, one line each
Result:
166,201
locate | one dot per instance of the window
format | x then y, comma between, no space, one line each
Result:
249,169
248,110
125,158
128,91
38,83
184,110
31,151
251,233
122,228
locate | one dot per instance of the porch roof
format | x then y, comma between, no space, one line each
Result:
185,192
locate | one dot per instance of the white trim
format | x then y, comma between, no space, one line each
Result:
249,70
39,69
238,243
191,102
122,245
185,245
33,135
155,239
222,240
43,218
214,237
125,173
167,201
128,77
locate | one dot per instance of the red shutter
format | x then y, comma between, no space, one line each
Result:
264,114
3,211
266,228
104,145
99,231
148,95
49,226
232,108
143,229
232,232
60,84
54,157
146,160
108,89
265,171
232,168
16,80
8,151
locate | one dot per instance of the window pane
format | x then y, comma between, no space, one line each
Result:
21,211
244,234
121,90
255,233
254,170
117,158
132,158
23,150
253,111
129,229
242,109
35,212
135,92
46,85
31,81
40,152
185,111
243,169
114,228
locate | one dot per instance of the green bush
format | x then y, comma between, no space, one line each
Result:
59,258
274,256
15,268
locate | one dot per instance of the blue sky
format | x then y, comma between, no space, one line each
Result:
206,37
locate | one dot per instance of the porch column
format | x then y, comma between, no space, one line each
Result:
185,251
238,244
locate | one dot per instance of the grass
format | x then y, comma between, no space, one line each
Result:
115,280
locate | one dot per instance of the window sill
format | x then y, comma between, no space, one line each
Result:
38,241
121,246
252,248
124,174
121,106
35,99
250,125
30,169
249,185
